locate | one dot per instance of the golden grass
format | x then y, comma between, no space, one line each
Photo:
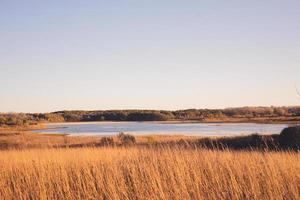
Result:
23,140
18,138
148,173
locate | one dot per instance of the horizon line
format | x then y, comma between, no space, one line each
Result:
133,109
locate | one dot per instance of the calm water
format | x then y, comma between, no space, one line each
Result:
144,128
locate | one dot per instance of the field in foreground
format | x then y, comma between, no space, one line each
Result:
148,173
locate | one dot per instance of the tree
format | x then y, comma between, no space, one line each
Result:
2,120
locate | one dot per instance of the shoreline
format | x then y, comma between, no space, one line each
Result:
58,129
225,121
34,137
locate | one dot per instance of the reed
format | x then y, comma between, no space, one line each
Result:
148,173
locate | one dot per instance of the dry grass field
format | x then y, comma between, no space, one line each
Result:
15,139
24,138
148,173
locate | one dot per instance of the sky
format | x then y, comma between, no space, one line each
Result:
137,54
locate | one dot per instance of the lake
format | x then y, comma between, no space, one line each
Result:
151,128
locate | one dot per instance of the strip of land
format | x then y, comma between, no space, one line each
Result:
230,115
24,138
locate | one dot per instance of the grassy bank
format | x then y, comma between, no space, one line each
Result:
289,139
22,138
41,166
139,173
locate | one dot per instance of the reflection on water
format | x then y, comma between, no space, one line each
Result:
146,128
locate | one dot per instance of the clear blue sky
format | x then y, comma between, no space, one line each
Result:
71,54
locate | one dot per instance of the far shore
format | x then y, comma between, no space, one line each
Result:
294,120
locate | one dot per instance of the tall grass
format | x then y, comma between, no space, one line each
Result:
148,173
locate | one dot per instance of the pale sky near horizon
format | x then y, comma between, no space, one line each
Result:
137,54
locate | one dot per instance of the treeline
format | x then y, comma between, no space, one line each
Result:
23,119
149,115
190,114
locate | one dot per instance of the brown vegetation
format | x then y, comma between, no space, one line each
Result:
139,173
126,139
289,139
243,114
40,166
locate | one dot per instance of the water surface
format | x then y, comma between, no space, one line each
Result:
150,128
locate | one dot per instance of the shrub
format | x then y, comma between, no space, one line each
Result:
2,120
253,141
263,141
107,141
151,140
126,139
210,143
51,117
290,137
72,117
147,116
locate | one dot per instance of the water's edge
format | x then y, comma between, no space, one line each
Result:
157,128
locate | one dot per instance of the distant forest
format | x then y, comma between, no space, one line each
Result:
235,114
